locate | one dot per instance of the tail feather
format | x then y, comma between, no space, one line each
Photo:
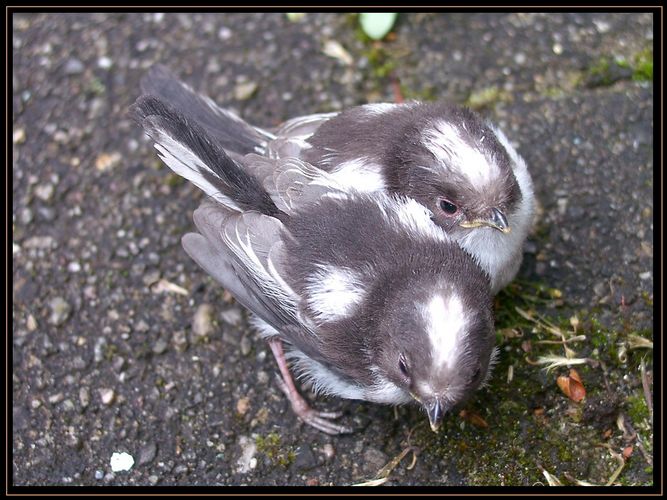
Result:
236,136
189,151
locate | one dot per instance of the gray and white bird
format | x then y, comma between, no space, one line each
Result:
460,167
375,301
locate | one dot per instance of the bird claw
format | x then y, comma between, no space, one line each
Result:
320,420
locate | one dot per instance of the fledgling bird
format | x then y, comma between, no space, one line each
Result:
375,301
460,167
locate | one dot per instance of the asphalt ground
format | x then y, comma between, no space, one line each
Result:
122,344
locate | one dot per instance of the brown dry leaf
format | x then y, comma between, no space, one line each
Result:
627,452
571,386
474,418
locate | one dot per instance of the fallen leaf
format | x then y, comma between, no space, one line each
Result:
474,418
167,286
627,452
295,16
571,386
551,479
377,24
334,49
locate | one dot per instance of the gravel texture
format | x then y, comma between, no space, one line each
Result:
122,345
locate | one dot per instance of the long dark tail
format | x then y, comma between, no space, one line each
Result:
186,147
237,137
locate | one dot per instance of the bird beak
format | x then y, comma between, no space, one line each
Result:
496,220
435,412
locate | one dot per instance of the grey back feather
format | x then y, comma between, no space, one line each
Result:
236,136
238,250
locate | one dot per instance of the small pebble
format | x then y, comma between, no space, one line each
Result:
56,398
44,191
180,341
246,345
40,242
160,346
107,396
142,326
25,216
31,323
104,62
74,267
106,161
19,136
242,406
60,310
224,33
329,451
74,67
202,323
84,397
147,453
121,462
231,316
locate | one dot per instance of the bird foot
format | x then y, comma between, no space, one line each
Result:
321,420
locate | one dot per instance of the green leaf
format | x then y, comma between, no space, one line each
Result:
295,17
377,24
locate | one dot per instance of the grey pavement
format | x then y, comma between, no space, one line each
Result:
122,344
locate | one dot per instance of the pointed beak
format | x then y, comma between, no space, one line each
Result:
496,220
435,412
499,221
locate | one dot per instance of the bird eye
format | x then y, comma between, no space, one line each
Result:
448,207
403,365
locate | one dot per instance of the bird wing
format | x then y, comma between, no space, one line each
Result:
189,150
292,136
292,183
243,252
235,135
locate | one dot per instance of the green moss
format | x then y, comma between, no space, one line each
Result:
380,61
487,97
173,180
599,74
110,351
270,447
643,66
648,298
636,407
608,70
95,87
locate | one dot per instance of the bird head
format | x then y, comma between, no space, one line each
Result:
438,340
452,162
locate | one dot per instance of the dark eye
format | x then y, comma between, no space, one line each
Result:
448,207
402,364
